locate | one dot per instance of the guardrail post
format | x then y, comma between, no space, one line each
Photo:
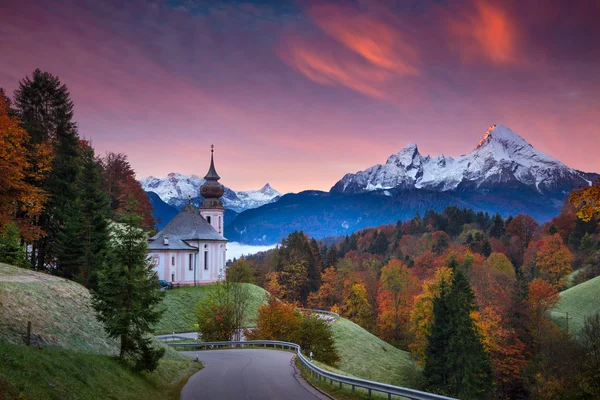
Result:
389,396
352,388
331,381
369,392
340,384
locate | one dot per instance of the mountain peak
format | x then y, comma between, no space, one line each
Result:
502,134
409,155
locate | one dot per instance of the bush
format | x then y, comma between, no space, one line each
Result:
281,321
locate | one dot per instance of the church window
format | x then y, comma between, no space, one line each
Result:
208,219
206,260
191,266
219,224
172,277
173,260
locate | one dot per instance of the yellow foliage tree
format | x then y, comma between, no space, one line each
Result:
587,201
422,313
500,263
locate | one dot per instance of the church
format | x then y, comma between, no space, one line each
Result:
191,248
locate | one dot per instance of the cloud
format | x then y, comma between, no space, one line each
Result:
359,51
484,31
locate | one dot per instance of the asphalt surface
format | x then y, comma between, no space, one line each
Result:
247,374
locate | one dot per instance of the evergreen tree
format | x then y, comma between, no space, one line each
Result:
95,211
436,370
456,361
11,251
128,294
379,245
486,248
46,110
331,257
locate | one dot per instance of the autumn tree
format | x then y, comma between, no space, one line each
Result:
522,227
542,296
21,197
397,290
356,305
240,271
121,185
554,260
331,291
586,201
499,262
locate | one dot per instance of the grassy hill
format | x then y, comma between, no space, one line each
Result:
364,355
181,307
75,358
580,301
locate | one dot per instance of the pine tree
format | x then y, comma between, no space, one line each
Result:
456,361
128,293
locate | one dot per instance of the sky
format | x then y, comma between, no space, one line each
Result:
299,93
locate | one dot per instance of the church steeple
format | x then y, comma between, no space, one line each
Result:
212,172
212,190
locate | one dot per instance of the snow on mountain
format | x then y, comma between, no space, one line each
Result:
501,158
175,188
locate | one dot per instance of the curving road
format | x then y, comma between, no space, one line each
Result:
247,374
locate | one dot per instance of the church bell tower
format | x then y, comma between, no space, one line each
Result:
212,208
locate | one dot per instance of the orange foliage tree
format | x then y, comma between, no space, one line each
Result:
276,321
396,293
356,305
542,297
20,200
554,260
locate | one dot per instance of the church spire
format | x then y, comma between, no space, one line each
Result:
212,172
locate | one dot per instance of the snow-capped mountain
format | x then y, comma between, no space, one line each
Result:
175,188
501,159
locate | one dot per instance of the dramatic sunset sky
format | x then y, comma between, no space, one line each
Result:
298,93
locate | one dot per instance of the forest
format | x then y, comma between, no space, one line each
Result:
58,196
467,293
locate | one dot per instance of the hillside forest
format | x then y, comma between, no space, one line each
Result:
468,294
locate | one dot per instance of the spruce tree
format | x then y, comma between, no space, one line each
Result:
435,369
46,110
128,294
498,228
456,362
486,248
95,209
11,251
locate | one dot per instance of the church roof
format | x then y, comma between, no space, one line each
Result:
187,225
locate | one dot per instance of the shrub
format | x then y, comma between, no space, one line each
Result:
240,271
316,336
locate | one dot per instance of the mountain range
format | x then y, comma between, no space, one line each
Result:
170,194
503,173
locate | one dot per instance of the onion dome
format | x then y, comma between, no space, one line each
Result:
212,190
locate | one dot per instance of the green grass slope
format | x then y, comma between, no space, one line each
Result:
72,357
60,312
580,301
55,373
365,356
181,304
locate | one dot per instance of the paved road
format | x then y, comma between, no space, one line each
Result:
247,374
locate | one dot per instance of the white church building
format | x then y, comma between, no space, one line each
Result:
191,248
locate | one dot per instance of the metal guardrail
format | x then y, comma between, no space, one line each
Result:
318,372
335,316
